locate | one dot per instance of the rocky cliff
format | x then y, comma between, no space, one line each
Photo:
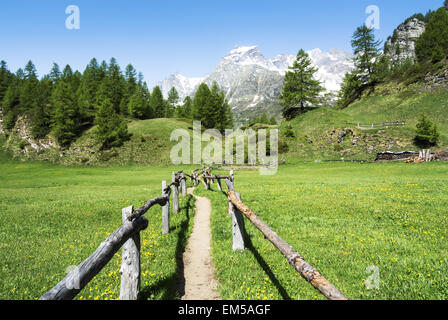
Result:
401,45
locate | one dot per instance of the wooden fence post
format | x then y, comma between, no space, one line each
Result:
184,185
195,180
77,279
219,185
204,181
130,263
165,211
238,230
175,190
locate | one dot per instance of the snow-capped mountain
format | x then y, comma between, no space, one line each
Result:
184,86
253,83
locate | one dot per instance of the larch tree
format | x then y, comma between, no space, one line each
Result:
300,87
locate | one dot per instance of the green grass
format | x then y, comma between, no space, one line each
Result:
53,217
403,106
315,133
149,145
342,218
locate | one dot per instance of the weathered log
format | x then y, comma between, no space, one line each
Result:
165,211
141,211
238,230
78,278
183,184
216,176
130,263
175,191
300,265
204,181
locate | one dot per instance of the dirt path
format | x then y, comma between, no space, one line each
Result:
200,281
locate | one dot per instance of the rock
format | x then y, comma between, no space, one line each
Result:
343,134
401,46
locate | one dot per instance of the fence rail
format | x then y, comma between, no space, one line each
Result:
310,274
127,236
385,124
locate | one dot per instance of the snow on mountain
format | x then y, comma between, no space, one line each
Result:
185,86
253,83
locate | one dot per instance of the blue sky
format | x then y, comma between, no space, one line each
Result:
189,37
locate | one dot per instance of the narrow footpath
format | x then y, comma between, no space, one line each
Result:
200,281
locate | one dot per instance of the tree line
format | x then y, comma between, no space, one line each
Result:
65,103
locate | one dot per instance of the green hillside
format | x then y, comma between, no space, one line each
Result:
149,145
314,135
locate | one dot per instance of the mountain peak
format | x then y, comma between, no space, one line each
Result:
245,55
253,82
242,50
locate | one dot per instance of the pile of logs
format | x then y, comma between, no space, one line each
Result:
423,156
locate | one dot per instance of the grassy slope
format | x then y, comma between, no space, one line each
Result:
316,132
343,218
149,145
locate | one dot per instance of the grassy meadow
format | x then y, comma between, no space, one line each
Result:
341,217
53,217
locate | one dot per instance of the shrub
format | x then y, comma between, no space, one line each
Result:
427,134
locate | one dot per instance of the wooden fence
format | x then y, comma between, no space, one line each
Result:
127,236
386,124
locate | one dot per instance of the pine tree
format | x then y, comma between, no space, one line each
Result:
138,106
40,114
55,74
66,117
187,108
88,88
184,110
351,89
112,130
366,51
173,100
5,79
433,43
219,109
11,104
264,119
300,88
201,104
112,85
130,88
369,68
28,87
157,103
147,96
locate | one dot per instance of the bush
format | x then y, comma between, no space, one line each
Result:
288,132
282,146
427,134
